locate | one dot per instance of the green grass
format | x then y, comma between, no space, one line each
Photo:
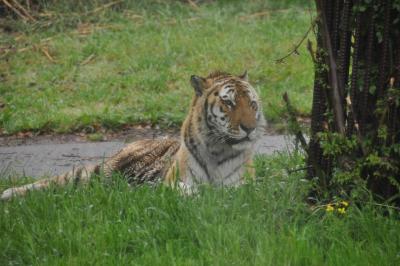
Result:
265,223
141,59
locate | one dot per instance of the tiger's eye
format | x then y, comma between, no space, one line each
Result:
228,103
254,105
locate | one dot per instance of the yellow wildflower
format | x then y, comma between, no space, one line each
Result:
344,203
341,210
329,208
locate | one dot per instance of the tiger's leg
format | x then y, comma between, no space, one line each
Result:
176,177
250,171
171,177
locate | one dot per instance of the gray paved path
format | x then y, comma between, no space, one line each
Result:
53,159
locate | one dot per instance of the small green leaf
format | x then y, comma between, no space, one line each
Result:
372,89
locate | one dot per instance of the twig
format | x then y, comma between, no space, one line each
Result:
292,117
16,11
291,171
255,15
132,15
356,124
34,45
23,10
311,50
296,47
88,59
47,54
86,29
100,8
193,4
354,91
174,21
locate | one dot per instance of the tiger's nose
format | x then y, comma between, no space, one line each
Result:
248,130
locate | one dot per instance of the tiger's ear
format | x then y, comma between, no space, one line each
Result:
244,76
198,83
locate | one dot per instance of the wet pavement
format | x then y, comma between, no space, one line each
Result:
37,160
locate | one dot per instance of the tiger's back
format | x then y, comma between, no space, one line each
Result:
144,161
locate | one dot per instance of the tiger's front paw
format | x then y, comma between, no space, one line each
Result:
186,190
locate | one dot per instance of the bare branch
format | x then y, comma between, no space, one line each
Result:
16,11
297,130
296,47
333,72
23,10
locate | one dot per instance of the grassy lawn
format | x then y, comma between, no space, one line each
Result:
111,68
265,223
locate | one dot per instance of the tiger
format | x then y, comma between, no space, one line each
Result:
216,146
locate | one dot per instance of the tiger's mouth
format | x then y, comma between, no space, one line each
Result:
232,141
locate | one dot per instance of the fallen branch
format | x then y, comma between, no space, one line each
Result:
16,11
42,42
23,10
193,4
100,8
45,51
86,28
255,15
132,15
88,59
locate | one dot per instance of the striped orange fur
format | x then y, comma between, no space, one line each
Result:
216,147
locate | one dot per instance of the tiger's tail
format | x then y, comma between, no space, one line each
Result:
143,161
80,175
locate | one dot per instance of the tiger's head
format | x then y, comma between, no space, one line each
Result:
229,107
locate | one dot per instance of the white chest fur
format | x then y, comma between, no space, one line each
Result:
222,169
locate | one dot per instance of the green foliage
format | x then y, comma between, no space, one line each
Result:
380,158
334,144
355,127
261,223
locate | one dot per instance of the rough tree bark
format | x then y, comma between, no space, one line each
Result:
357,93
